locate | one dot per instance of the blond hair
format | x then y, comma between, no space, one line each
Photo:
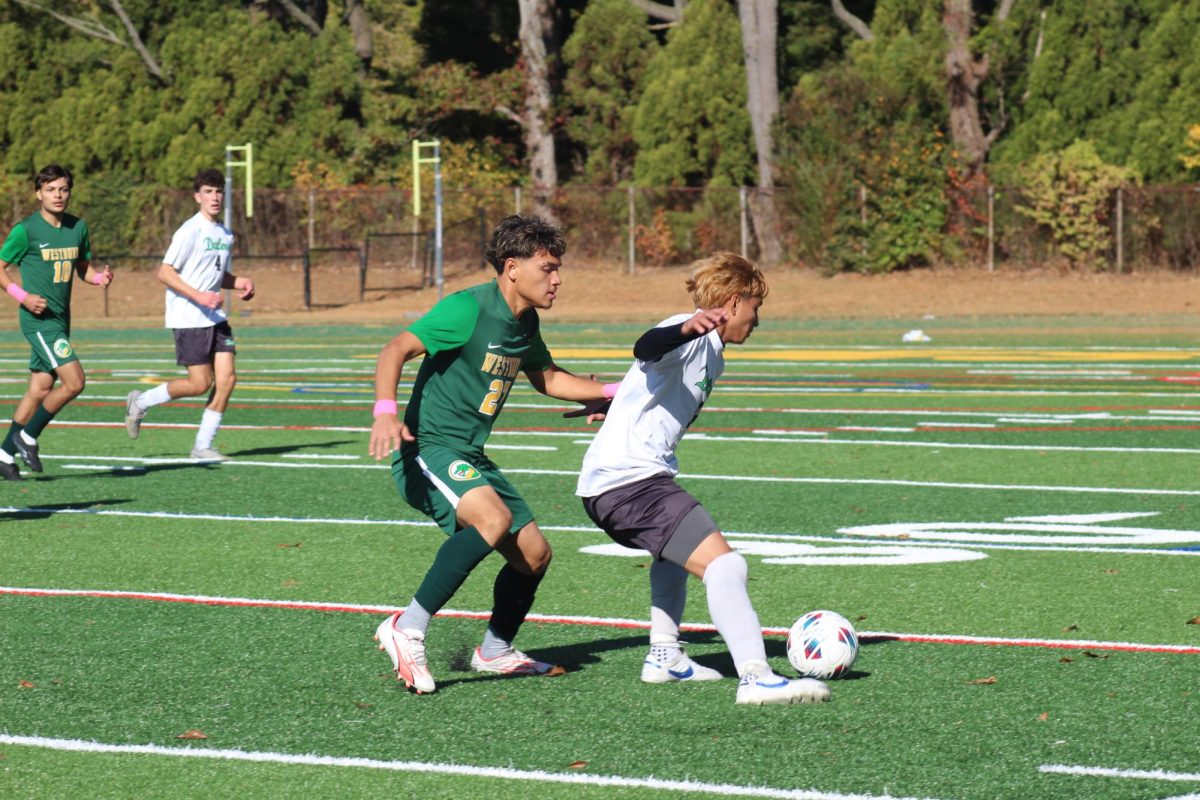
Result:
721,276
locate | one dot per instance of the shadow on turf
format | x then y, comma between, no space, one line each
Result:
281,449
49,510
576,657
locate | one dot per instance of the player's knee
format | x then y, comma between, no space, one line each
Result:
496,526
74,385
729,566
539,561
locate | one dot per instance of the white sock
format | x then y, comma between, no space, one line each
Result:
668,596
209,422
729,606
6,457
155,397
28,439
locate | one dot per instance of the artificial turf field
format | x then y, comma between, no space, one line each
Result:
1010,515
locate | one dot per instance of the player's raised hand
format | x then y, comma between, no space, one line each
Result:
704,321
104,277
387,432
245,288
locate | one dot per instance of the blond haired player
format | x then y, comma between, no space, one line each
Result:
629,490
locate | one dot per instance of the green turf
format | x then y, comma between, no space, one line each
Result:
915,720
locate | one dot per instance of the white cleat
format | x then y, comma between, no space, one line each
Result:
208,454
760,686
514,662
406,648
679,668
133,414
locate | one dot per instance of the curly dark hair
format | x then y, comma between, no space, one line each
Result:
523,237
208,177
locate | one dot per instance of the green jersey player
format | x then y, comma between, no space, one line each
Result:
475,342
49,247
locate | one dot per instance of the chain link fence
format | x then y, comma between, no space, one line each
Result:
343,246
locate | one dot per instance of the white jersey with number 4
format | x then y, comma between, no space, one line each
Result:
200,251
653,408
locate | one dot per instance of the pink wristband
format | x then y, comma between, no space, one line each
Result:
17,292
385,407
610,390
98,278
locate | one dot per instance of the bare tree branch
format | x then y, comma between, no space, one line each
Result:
660,11
138,46
90,26
854,23
1005,9
511,115
359,21
298,14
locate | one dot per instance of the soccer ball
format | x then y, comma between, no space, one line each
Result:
822,644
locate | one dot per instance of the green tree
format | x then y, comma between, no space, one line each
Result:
691,125
606,59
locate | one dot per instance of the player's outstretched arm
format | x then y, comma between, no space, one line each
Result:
556,382
388,431
657,342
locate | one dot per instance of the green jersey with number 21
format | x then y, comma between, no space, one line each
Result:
474,351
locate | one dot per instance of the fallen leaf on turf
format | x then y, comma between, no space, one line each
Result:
1194,621
1065,660
1070,628
555,671
285,544
1042,717
192,734
577,765
1090,654
982,681
364,705
860,617
27,685
1112,572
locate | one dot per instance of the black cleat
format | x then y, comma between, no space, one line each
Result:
10,472
28,453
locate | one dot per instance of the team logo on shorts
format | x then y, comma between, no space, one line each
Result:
62,348
462,471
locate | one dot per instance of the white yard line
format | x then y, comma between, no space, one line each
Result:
435,768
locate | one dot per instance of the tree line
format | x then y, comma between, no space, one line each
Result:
867,129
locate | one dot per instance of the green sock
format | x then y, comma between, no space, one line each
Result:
455,559
13,432
512,597
40,419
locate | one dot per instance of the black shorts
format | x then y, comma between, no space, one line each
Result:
655,515
198,345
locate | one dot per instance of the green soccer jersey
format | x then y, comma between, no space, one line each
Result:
474,350
47,257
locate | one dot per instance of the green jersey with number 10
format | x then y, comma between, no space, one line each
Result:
47,256
474,350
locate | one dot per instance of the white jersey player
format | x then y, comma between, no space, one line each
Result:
195,269
628,483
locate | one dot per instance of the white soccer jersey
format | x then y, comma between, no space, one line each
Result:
653,408
200,252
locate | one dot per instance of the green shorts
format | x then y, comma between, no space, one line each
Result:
433,479
51,348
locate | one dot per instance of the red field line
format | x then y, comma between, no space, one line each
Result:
605,622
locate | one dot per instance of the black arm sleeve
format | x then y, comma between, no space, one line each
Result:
657,342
